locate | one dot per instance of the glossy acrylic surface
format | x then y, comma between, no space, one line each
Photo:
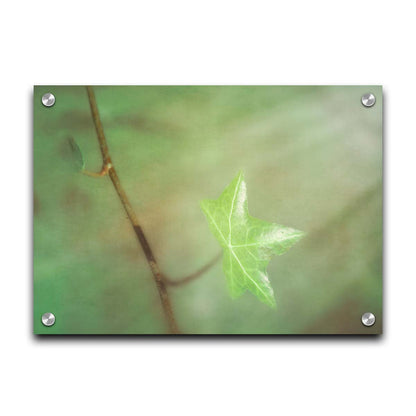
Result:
311,159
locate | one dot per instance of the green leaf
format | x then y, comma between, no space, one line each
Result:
76,157
248,242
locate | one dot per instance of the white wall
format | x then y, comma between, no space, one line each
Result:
216,42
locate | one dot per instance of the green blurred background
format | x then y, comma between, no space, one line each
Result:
312,159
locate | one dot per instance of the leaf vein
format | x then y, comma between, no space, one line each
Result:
245,272
232,209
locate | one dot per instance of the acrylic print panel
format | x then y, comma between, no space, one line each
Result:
207,210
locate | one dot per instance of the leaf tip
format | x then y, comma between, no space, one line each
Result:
76,154
240,175
300,234
203,204
271,302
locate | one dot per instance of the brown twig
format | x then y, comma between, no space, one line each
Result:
192,276
108,167
100,174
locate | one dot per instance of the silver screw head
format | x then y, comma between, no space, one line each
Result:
368,319
48,99
368,100
48,319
